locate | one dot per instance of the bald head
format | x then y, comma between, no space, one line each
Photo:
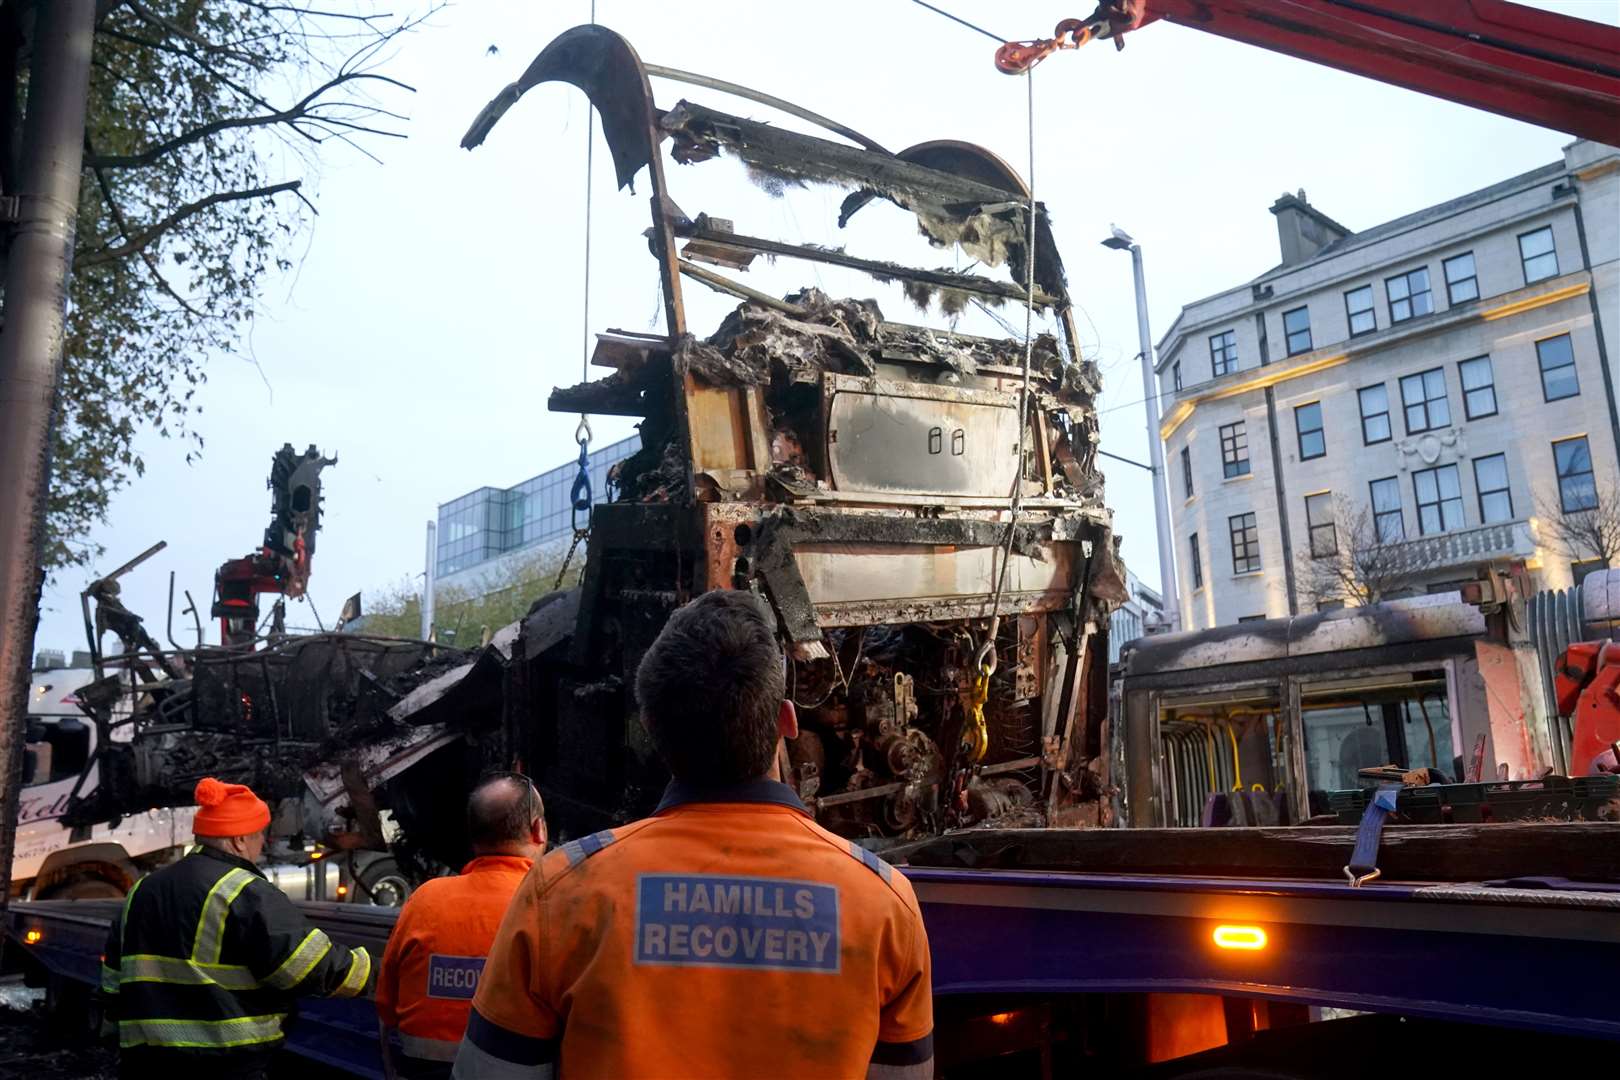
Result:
506,817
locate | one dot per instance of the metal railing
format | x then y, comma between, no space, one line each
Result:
1465,546
1555,621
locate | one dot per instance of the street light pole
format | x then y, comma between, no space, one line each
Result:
1121,241
36,279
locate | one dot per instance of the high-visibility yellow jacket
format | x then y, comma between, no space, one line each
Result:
205,961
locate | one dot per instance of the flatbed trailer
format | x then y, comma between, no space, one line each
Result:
1035,964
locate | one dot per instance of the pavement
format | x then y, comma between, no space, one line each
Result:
28,1050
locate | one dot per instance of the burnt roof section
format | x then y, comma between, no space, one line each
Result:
961,194
1319,633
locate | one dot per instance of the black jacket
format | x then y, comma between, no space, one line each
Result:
202,968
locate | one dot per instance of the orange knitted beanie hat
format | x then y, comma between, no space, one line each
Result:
228,809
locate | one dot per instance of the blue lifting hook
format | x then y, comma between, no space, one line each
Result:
580,494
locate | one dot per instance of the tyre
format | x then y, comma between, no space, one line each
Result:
382,883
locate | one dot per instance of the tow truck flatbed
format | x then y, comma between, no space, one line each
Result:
1535,959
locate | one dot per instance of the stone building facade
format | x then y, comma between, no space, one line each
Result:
1427,392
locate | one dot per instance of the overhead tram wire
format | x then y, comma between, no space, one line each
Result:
962,22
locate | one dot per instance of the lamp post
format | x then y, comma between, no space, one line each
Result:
1120,240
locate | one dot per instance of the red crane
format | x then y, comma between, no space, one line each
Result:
1538,66
281,565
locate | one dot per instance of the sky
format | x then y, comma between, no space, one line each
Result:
440,296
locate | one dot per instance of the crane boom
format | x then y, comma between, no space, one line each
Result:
1541,67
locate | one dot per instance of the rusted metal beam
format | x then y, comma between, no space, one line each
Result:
748,92
880,269
721,283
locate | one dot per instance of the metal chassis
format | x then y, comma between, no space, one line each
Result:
1448,952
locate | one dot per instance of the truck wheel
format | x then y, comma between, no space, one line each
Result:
383,884
83,888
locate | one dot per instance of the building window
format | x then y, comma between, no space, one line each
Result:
1197,562
1409,294
1297,330
1577,488
1358,304
1439,499
1478,387
1491,481
1374,402
1186,470
1223,353
1389,523
1462,285
1557,359
1424,396
1245,543
1319,524
1308,426
1538,255
1175,375
1234,450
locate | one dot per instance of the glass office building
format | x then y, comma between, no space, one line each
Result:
489,522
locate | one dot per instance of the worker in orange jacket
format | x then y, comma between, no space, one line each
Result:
728,935
436,953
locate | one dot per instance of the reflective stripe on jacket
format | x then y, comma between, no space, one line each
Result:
208,955
728,935
436,954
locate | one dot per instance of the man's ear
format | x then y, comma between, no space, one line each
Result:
787,720
537,831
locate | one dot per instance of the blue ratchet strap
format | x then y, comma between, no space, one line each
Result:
1364,859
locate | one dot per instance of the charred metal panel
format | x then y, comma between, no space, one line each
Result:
847,581
884,436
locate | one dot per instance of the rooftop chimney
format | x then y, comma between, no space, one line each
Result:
1303,230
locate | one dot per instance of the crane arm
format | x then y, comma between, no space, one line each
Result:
1537,66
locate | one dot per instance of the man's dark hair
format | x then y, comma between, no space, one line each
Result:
710,689
500,810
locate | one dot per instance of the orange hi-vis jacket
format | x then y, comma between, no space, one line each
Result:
728,935
436,953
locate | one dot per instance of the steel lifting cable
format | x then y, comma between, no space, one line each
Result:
985,660
579,495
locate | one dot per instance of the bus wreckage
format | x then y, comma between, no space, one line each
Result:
920,508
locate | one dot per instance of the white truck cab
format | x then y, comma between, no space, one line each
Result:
51,860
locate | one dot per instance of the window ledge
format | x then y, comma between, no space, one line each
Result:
1250,573
1235,479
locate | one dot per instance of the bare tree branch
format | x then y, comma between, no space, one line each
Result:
317,12
123,231
298,111
147,235
1363,567
151,18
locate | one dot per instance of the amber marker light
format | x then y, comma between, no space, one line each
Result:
1243,938
32,937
